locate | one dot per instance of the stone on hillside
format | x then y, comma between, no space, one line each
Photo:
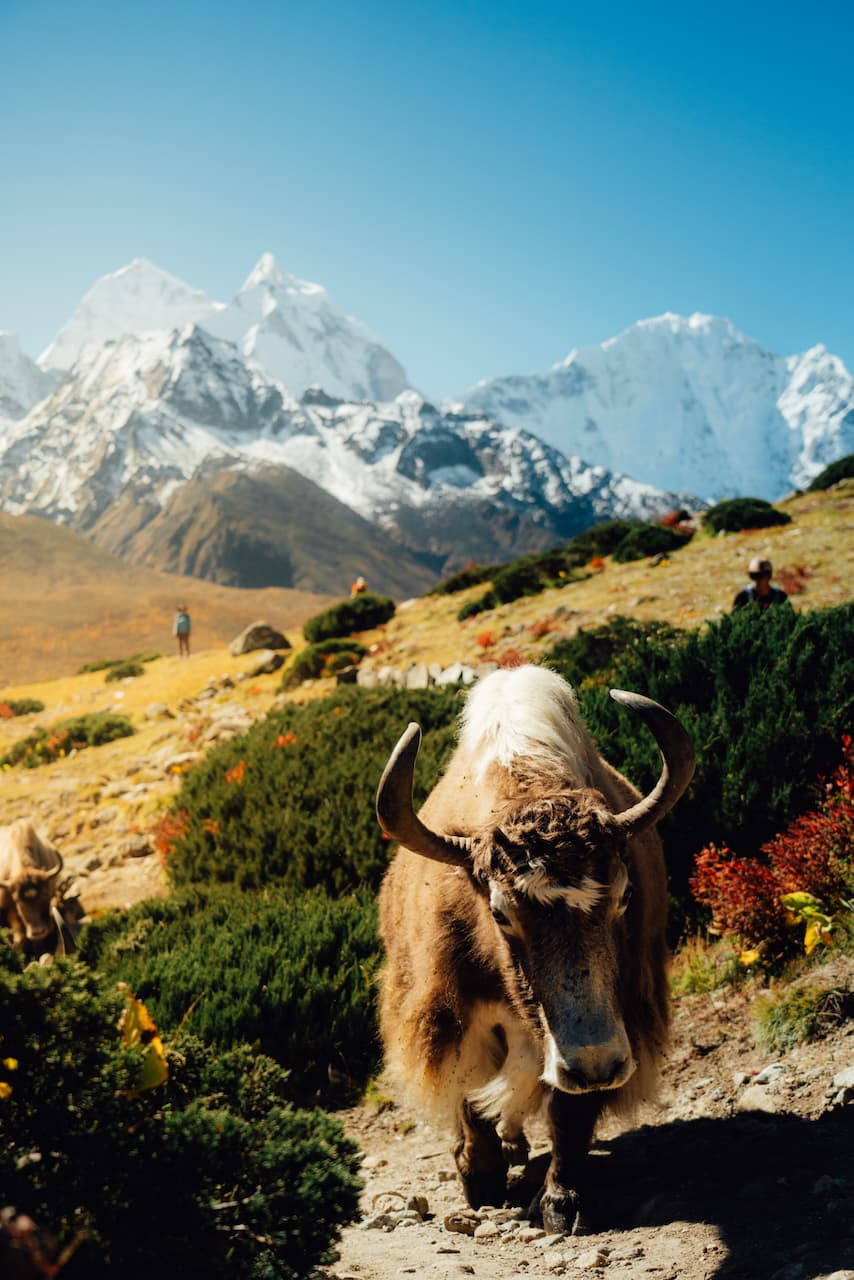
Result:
138,846
484,669
258,635
347,675
265,663
417,677
366,679
157,711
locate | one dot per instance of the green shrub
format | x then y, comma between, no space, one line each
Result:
589,653
11,707
322,659
648,540
211,1175
766,700
291,972
359,613
124,671
801,1012
472,608
293,800
601,539
103,664
842,469
463,578
735,514
45,745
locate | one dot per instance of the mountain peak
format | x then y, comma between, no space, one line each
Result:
268,274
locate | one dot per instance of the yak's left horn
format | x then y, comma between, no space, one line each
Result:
396,813
677,753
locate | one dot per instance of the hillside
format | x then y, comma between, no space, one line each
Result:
260,529
66,602
98,805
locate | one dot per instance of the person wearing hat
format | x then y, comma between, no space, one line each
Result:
181,628
759,590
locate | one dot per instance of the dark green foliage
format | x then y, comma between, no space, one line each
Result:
44,745
326,656
300,806
533,573
21,706
463,578
212,1175
124,671
601,539
588,653
766,699
288,971
359,613
647,540
842,469
103,664
472,608
743,513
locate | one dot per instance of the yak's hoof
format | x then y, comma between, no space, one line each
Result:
560,1213
485,1188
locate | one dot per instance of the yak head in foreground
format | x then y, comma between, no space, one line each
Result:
524,921
29,874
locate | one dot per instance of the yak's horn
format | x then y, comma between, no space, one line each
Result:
396,813
677,753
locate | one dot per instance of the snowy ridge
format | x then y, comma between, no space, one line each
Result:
22,382
147,412
687,403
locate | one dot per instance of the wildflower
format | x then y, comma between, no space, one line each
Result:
210,825
11,1064
5,1090
286,739
237,774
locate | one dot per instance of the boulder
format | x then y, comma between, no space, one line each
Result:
258,635
266,662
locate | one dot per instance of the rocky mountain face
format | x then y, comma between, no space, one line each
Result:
687,403
152,387
22,382
136,419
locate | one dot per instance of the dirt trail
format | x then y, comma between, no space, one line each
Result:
744,1168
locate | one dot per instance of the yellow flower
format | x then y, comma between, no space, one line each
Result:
11,1064
5,1090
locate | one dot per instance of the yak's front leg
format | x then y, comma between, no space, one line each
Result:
481,1160
572,1119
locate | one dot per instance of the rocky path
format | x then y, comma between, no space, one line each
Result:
744,1170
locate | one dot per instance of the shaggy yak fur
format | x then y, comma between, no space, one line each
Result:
29,873
523,919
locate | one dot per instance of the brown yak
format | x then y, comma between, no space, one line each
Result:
29,874
524,925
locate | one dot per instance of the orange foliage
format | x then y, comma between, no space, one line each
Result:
167,831
237,774
511,658
285,739
6,712
794,580
597,563
485,639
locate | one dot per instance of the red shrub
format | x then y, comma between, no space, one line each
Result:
814,854
168,830
597,563
794,580
511,658
486,639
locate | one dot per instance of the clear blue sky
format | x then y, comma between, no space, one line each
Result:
486,185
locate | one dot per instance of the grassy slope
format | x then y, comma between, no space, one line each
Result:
66,602
66,799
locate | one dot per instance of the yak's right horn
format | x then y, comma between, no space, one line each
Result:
397,816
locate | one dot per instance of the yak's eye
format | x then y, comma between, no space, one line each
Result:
500,918
626,898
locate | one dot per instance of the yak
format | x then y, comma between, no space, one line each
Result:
523,918
30,868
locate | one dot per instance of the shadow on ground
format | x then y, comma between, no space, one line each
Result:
778,1188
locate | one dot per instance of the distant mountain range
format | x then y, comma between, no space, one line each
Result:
275,441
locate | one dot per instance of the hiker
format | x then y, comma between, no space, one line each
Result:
181,628
358,587
759,590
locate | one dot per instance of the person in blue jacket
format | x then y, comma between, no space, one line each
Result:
759,590
181,628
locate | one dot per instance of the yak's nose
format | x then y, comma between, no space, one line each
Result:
589,1074
35,932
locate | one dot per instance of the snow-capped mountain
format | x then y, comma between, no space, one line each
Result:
288,325
135,299
22,382
292,328
687,403
145,413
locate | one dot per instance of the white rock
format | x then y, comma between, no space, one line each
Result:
771,1073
